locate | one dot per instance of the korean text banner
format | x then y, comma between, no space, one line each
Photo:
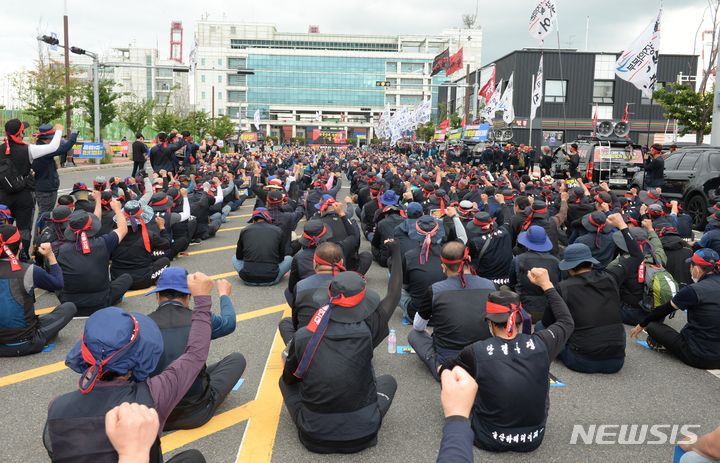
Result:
477,132
92,150
328,137
249,137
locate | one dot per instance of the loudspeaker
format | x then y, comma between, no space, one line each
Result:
622,129
605,128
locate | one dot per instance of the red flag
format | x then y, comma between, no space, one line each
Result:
455,63
463,122
444,125
489,87
626,116
595,119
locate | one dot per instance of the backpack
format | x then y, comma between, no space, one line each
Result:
10,180
659,288
521,162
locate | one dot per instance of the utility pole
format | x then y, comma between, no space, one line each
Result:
212,114
67,71
467,93
715,133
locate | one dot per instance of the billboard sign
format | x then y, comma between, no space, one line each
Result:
92,150
328,137
477,132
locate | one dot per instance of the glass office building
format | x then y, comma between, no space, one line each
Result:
304,81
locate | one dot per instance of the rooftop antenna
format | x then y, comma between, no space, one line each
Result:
587,32
477,11
468,20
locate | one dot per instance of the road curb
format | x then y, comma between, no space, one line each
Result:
95,167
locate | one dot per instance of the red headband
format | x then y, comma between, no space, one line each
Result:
700,261
88,357
484,226
425,250
513,310
526,224
465,260
315,240
597,234
336,267
14,138
14,264
326,203
49,132
344,301
136,220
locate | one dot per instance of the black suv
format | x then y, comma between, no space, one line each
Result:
602,159
692,177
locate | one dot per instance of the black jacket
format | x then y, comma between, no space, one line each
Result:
45,168
261,248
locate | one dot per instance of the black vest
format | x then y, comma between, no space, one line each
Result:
702,331
400,235
594,301
532,296
86,281
338,394
305,307
332,221
20,157
510,406
495,263
457,311
607,248
385,228
174,321
75,426
132,258
17,311
421,277
551,231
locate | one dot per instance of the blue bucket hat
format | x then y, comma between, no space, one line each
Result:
576,254
115,340
535,239
389,198
174,278
414,210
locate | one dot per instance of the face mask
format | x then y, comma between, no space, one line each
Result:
694,279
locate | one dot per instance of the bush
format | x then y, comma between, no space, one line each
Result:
107,157
351,141
377,141
274,139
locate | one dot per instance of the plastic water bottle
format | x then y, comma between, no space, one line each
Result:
392,341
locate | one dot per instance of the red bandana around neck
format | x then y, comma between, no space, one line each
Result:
14,264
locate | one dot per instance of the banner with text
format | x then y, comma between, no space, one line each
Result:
328,137
478,132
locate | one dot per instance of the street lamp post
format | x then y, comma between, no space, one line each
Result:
96,88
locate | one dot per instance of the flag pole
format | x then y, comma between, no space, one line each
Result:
649,119
562,80
531,119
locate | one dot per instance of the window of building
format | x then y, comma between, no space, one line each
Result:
412,67
220,62
202,78
237,63
219,95
605,67
162,98
235,96
410,100
233,112
202,61
234,80
212,28
603,91
555,91
646,101
220,78
604,112
202,95
220,112
390,67
164,73
232,29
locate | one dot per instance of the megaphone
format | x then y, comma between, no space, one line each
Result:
605,128
622,129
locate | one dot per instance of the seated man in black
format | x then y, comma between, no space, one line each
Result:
328,382
174,318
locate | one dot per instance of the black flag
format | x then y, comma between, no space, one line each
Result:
440,62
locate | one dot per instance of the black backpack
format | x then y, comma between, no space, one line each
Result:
10,180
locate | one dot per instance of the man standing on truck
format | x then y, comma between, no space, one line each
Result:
654,167
573,159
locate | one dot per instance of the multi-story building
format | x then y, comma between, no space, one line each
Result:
298,76
137,83
585,83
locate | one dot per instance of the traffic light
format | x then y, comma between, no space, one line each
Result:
382,83
77,51
49,40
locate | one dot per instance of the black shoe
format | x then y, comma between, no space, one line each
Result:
654,345
195,241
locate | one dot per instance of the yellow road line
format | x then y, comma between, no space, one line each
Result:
219,422
30,374
230,229
259,438
222,248
55,367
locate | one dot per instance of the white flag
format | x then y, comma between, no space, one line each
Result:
383,128
424,112
257,120
317,116
638,63
493,103
537,91
541,19
506,102
193,57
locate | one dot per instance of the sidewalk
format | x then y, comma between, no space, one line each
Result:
89,164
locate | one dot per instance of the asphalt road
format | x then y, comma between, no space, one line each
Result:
651,389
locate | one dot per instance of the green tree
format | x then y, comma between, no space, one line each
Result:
164,120
106,97
456,119
44,91
137,114
693,110
197,123
224,127
426,131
